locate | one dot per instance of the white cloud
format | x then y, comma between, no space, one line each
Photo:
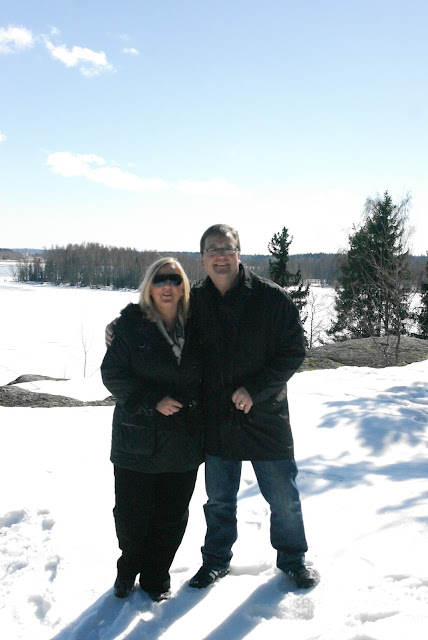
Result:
131,50
93,168
14,39
68,164
2,137
54,31
89,62
215,187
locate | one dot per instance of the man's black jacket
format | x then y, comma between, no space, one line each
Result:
250,337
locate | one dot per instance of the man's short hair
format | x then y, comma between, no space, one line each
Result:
220,230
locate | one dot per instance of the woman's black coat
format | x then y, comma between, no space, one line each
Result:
139,369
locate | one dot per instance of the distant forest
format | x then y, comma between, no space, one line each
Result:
95,265
10,254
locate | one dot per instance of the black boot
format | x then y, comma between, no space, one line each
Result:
157,592
305,577
123,586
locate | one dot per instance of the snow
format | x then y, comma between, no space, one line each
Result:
361,447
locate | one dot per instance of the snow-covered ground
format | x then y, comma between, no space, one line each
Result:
361,446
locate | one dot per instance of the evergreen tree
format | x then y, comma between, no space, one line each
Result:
372,292
279,273
423,313
50,271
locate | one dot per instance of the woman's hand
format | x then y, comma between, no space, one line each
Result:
242,400
168,406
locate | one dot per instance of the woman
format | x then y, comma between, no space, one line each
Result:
152,370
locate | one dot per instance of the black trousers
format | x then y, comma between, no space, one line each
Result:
151,514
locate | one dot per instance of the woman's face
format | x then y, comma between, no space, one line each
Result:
167,296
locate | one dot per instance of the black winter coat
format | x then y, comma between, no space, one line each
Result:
139,369
250,337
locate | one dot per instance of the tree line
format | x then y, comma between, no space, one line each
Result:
95,265
10,254
375,280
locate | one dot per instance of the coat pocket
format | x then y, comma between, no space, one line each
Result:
137,439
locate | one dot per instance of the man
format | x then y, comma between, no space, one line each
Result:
252,342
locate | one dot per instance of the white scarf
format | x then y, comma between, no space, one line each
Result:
177,341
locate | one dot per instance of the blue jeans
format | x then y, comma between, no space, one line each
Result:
277,483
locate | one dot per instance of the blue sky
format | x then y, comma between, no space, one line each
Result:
140,123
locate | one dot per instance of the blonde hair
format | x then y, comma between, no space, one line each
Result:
146,301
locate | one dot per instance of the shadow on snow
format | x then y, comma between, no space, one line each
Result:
138,618
264,604
399,414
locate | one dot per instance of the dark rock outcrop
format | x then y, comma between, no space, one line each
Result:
366,352
11,396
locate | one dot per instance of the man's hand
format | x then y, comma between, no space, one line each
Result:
242,400
109,333
168,406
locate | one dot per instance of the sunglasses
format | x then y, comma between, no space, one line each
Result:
161,279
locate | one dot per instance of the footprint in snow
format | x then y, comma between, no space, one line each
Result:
52,566
374,617
27,554
47,524
12,518
42,606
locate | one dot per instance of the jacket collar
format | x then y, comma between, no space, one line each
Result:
245,285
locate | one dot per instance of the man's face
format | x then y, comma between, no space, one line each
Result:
221,260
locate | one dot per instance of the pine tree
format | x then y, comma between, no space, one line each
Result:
372,292
279,273
423,313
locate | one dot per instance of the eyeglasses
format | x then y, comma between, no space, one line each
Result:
222,251
161,279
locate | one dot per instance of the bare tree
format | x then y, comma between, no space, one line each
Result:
317,308
86,348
